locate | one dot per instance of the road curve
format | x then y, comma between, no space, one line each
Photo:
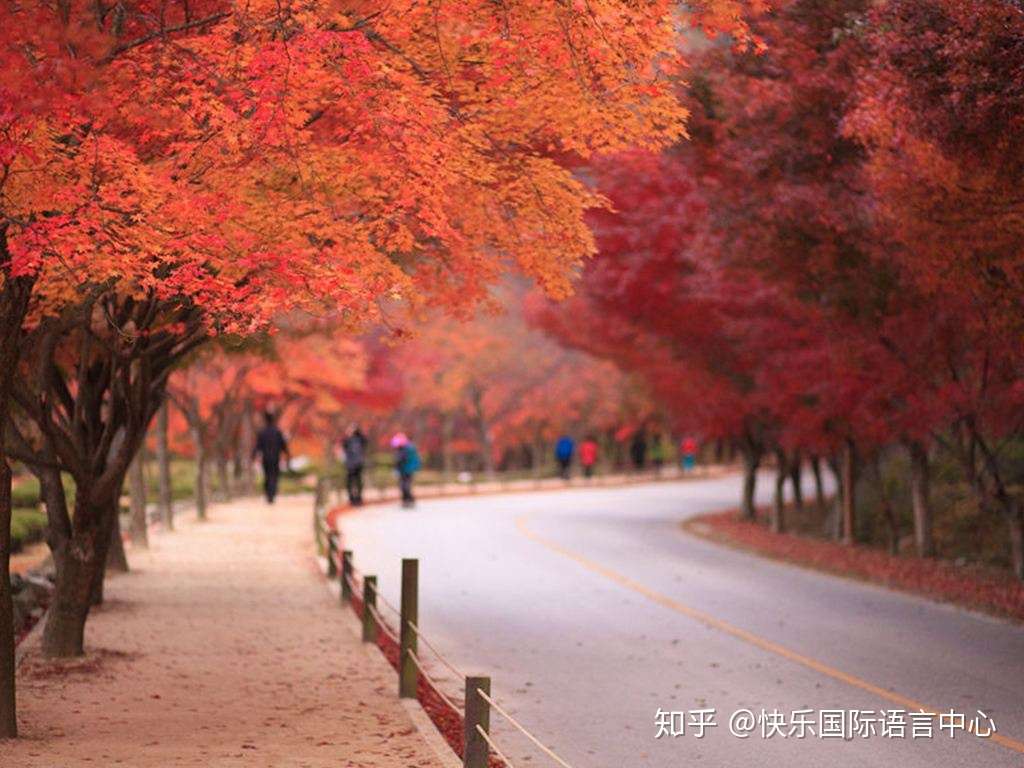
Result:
591,609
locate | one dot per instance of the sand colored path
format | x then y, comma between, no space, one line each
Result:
222,648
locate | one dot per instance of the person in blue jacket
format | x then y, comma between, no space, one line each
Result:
564,449
407,463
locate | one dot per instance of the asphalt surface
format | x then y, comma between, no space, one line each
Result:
591,609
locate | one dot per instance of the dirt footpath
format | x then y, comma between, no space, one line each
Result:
223,647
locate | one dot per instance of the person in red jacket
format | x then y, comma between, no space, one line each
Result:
588,456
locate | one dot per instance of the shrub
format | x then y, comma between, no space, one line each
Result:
28,526
25,492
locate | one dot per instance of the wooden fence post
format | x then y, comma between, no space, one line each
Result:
408,675
369,601
346,576
478,712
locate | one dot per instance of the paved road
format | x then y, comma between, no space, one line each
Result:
591,609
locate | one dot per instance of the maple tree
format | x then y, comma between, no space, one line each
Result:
938,112
652,302
189,169
831,265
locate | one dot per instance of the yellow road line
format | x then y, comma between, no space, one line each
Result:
742,634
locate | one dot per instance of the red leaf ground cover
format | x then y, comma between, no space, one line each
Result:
974,587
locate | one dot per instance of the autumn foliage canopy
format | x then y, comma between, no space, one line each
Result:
831,266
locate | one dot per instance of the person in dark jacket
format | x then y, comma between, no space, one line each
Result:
354,446
270,445
638,449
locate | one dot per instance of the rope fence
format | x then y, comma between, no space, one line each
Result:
484,735
361,591
519,727
381,624
451,667
389,606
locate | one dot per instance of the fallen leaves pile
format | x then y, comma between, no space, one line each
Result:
973,587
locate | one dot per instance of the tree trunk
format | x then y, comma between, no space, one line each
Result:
1016,523
849,494
920,495
137,491
14,298
112,558
246,440
887,507
819,486
117,560
778,519
163,461
80,563
8,711
447,459
834,522
64,633
537,456
992,491
200,489
484,431
796,480
223,478
751,462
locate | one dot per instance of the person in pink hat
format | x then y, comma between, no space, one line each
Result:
407,463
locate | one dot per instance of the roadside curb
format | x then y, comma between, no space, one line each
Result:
706,472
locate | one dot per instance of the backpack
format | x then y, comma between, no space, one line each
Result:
413,462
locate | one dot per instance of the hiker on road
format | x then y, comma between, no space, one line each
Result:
688,448
588,455
638,449
270,445
354,446
407,463
564,449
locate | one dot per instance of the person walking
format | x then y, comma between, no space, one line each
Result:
270,446
638,449
563,455
689,450
407,463
588,455
354,446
